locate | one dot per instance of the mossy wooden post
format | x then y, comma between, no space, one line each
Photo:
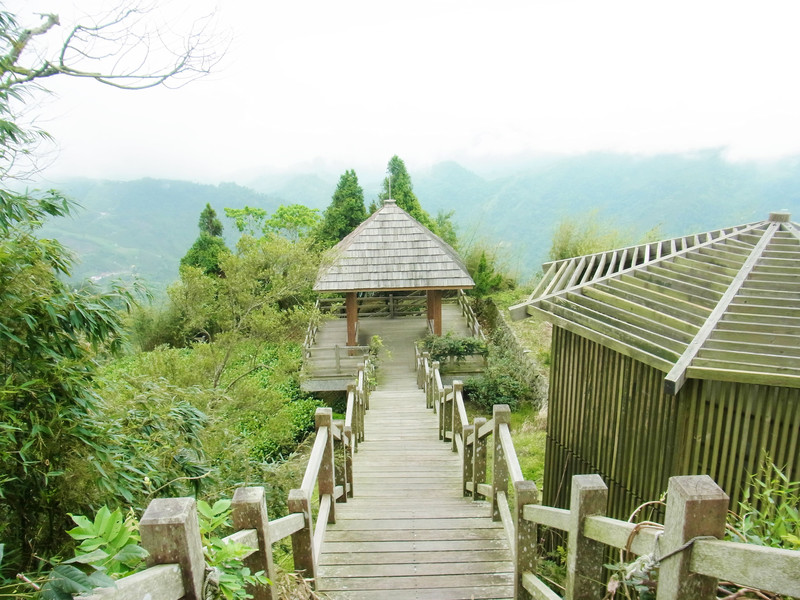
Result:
433,390
696,506
458,426
303,540
525,492
478,458
170,533
249,511
589,497
467,461
327,472
447,413
349,447
501,413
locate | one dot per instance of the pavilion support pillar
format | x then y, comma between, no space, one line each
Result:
435,310
351,308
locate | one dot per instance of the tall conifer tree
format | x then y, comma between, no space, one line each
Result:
398,186
345,212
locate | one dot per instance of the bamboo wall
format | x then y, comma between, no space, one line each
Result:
608,414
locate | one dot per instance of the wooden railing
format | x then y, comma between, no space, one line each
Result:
469,315
391,305
170,530
335,359
691,556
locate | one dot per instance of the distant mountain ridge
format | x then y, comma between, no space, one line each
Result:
146,226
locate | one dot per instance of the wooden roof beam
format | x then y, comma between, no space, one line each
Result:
677,376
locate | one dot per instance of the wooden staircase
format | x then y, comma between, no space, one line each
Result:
409,532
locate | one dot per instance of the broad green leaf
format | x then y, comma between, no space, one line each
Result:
131,555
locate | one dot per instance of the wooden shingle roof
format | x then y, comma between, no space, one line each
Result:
392,251
722,305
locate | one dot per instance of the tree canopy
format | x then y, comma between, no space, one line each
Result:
397,185
209,223
51,334
345,212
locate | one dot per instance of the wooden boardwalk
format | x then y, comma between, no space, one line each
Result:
408,532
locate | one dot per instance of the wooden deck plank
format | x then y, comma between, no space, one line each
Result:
474,593
409,532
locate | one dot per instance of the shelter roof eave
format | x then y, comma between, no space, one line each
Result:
723,304
392,251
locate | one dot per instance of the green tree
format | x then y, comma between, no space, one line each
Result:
206,254
209,223
486,279
51,334
209,248
292,221
397,185
345,212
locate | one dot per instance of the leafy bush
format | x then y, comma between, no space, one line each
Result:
496,386
442,347
770,512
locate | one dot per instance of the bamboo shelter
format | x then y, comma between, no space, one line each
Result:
392,251
679,357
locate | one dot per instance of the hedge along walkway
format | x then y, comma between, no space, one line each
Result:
408,532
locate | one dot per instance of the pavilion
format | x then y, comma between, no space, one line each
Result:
392,251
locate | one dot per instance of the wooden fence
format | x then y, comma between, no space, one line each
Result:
170,529
379,305
691,556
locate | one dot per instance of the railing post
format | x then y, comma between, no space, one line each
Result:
348,462
501,413
303,540
696,507
249,511
466,462
525,492
458,390
327,473
171,534
478,458
337,359
584,556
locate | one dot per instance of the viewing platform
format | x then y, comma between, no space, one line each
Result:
330,365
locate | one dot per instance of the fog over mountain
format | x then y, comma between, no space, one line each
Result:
145,226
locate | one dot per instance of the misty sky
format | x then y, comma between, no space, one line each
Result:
350,83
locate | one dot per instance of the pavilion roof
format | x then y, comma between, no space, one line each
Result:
392,251
722,305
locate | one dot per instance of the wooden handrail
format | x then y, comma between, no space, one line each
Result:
683,575
171,533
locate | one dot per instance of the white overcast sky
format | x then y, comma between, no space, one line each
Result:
350,83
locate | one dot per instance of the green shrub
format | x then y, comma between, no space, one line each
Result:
442,347
495,387
770,512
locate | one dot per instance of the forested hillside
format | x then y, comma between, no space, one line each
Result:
145,226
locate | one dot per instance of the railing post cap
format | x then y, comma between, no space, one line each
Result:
297,500
526,491
168,510
457,385
323,416
695,487
501,413
588,482
248,495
